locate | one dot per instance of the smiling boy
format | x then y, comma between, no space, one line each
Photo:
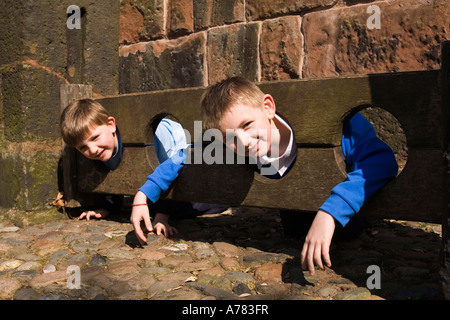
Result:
86,126
241,110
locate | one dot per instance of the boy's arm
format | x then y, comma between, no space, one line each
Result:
157,183
164,175
372,164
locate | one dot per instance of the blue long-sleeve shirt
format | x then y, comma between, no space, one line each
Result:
163,176
372,164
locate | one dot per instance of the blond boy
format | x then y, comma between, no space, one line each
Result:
238,106
87,126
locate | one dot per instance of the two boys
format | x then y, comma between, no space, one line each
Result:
239,106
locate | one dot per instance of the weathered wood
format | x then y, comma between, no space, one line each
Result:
445,249
417,194
134,111
69,93
315,108
307,185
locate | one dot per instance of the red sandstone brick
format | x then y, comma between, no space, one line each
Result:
281,49
233,51
261,9
211,13
181,17
338,42
131,23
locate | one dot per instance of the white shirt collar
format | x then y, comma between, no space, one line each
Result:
282,163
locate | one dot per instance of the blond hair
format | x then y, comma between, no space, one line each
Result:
219,98
79,117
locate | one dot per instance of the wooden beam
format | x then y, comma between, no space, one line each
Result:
317,110
68,94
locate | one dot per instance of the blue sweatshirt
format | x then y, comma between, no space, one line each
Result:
372,164
161,178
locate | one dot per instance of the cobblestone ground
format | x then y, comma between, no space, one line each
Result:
239,254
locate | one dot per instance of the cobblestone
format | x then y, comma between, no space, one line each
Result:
239,254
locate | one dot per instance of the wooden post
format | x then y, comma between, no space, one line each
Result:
445,253
68,94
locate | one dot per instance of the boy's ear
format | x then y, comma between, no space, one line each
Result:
112,124
269,106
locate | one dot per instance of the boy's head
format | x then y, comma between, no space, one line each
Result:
86,126
239,109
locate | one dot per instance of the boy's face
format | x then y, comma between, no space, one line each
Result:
100,143
252,126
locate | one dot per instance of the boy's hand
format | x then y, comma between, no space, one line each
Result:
317,242
160,224
99,214
139,213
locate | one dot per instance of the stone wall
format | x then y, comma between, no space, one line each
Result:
127,46
186,43
34,63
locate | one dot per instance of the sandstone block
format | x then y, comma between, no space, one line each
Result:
181,17
142,20
233,51
131,23
33,30
101,60
163,64
339,42
27,181
260,9
210,13
281,49
30,93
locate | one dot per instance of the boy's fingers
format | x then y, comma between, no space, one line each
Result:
326,256
303,256
306,258
318,256
310,259
138,231
148,223
311,262
140,235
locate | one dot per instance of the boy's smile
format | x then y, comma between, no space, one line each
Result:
100,143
